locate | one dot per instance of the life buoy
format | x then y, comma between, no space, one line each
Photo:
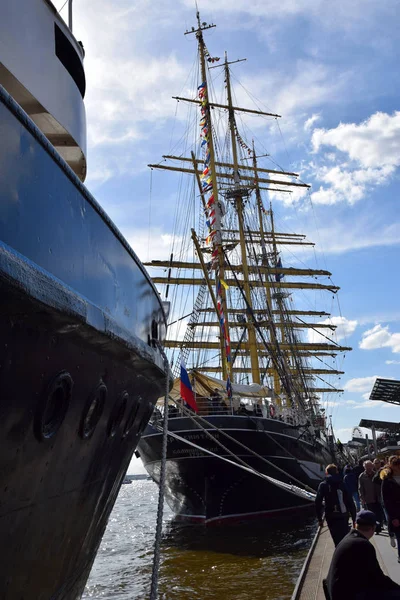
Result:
271,411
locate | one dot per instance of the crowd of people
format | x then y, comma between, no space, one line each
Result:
369,495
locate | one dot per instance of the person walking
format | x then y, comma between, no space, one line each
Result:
390,476
369,494
379,466
354,573
333,498
351,483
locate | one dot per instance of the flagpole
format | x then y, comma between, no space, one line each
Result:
70,15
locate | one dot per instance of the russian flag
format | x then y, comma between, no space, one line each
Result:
186,388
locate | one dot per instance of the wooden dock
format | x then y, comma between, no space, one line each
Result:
316,565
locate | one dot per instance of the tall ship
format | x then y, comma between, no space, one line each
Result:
249,433
81,321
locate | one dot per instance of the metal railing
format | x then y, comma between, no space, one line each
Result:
218,406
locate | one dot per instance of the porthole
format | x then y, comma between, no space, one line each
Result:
131,418
93,411
55,405
117,414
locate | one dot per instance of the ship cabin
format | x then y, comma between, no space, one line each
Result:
44,74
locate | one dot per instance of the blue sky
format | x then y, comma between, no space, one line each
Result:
331,70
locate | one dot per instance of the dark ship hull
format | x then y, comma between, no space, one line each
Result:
78,372
202,488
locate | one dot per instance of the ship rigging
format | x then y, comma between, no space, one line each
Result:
244,340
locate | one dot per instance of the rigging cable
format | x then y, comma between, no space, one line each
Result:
160,507
269,463
308,495
149,223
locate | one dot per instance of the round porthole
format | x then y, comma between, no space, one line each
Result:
93,411
117,414
55,405
131,418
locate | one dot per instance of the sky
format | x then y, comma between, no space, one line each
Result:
331,70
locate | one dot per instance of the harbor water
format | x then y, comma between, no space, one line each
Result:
260,560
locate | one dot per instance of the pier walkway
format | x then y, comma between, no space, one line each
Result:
316,565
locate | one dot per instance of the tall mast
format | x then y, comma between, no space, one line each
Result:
274,373
220,272
252,340
217,239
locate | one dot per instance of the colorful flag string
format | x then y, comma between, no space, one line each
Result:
241,141
213,214
208,56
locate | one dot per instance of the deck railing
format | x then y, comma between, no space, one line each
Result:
218,406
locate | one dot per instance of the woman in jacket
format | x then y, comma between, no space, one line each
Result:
390,476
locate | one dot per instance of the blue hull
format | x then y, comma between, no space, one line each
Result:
79,372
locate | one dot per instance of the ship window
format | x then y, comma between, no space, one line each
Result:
131,418
67,54
94,410
55,405
154,330
118,414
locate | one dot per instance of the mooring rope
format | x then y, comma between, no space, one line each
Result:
160,508
293,489
229,437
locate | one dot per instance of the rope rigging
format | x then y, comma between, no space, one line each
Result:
197,420
160,507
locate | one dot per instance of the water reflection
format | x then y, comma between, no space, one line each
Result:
254,538
257,560
253,561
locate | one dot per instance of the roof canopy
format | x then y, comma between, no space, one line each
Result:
387,426
205,385
386,390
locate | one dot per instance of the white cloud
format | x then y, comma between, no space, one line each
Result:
359,385
373,404
375,141
153,244
380,337
326,196
373,154
345,16
364,232
344,328
347,184
130,81
310,122
363,386
309,85
392,362
344,433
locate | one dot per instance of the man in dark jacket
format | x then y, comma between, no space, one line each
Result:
369,493
337,502
351,484
355,573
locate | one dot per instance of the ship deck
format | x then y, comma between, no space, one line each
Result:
318,560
